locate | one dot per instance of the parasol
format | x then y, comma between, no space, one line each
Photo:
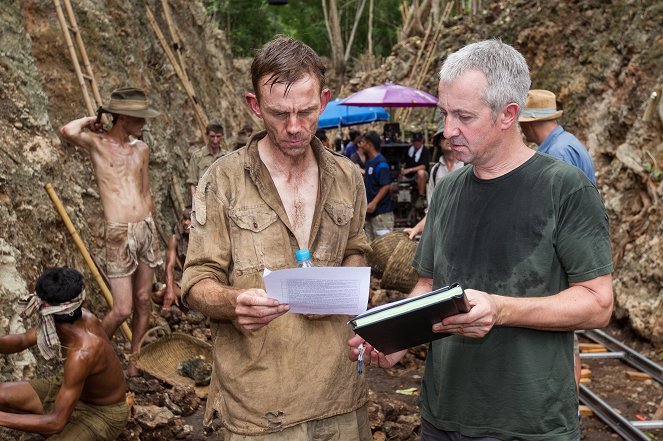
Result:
336,115
390,95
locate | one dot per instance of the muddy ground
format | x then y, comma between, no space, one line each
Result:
393,409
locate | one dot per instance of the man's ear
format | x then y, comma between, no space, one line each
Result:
325,96
252,101
509,115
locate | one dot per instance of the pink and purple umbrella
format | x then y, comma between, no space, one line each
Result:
390,95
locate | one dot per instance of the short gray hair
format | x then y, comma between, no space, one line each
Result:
504,67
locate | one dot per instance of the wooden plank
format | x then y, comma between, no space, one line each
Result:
592,347
585,410
638,376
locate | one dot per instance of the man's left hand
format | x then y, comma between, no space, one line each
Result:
476,323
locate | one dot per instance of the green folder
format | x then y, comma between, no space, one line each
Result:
400,325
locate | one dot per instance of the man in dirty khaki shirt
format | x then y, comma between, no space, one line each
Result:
278,376
202,158
120,161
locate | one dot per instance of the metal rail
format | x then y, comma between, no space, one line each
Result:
629,356
629,430
610,416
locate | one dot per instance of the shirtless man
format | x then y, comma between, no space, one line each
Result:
120,162
253,209
175,257
87,401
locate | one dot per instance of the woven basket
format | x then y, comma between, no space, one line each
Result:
399,273
381,250
161,357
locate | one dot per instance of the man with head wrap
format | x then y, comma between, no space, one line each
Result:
87,400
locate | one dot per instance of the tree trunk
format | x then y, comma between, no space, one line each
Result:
348,46
370,28
333,25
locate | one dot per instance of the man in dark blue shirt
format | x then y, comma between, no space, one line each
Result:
377,180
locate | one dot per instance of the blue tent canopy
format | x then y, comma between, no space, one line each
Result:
335,115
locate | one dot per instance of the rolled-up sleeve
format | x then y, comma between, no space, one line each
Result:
209,252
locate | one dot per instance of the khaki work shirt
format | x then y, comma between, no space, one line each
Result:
294,369
200,161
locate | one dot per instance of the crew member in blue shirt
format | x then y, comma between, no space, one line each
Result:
377,180
538,120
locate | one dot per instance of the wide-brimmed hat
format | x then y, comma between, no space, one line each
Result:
130,101
541,105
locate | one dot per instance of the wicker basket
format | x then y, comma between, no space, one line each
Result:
382,249
162,357
399,273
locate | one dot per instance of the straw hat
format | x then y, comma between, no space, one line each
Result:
541,105
130,101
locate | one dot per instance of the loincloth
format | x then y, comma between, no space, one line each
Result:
88,422
128,244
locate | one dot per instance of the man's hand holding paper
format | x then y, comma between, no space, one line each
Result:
255,310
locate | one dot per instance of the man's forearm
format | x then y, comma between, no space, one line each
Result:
73,129
583,306
213,300
43,424
422,286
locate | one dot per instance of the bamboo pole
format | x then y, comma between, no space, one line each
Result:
83,52
177,45
84,252
178,196
74,57
200,115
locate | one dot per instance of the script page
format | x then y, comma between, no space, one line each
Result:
320,290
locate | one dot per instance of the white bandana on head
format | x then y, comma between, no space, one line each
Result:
47,337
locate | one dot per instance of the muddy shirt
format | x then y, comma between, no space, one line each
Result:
294,369
528,233
200,161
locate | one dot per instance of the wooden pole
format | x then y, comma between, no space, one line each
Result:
200,115
178,196
84,252
83,52
74,57
177,45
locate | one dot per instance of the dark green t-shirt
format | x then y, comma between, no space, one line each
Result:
528,233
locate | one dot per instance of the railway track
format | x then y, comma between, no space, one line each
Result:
627,429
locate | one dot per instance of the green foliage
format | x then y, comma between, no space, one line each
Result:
250,23
653,170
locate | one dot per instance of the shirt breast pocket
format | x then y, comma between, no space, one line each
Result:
334,233
257,239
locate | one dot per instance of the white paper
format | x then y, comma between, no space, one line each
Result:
320,290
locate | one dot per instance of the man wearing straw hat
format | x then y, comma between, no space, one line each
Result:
527,237
120,161
538,120
87,400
